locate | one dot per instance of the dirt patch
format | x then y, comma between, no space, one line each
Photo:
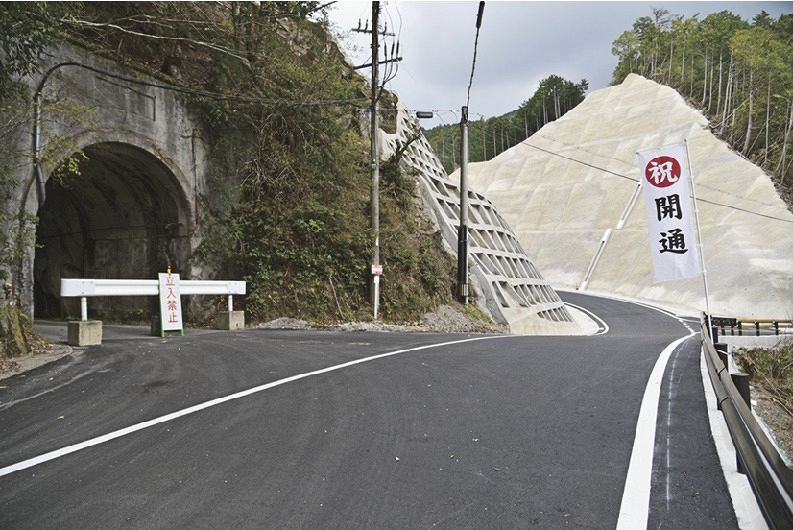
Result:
43,354
777,420
771,376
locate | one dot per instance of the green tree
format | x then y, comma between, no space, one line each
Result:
26,29
489,137
740,74
626,48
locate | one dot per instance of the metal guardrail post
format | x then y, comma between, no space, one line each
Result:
756,328
721,350
769,476
741,382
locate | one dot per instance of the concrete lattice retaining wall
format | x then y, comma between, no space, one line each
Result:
509,286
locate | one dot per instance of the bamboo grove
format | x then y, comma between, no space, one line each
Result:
739,73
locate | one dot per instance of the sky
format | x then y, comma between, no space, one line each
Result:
520,43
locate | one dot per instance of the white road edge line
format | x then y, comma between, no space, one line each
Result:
604,328
58,453
635,506
744,502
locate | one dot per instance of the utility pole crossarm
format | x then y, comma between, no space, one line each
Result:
386,61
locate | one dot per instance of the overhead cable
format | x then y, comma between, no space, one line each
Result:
476,43
626,177
215,95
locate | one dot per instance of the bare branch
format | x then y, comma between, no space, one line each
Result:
208,45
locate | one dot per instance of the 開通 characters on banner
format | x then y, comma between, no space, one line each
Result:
666,183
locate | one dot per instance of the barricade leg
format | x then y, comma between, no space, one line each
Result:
84,332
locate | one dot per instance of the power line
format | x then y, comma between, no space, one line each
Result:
626,177
527,144
213,95
476,44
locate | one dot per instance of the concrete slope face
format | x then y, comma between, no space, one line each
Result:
508,285
571,193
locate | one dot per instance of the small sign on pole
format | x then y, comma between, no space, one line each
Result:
170,303
666,181
377,270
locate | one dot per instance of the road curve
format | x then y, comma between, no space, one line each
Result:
508,432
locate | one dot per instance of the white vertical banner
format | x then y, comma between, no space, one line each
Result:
170,302
666,182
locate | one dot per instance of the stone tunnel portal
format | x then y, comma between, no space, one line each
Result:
122,215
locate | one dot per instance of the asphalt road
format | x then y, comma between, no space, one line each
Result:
503,432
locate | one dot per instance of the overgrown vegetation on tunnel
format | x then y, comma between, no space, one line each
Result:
288,208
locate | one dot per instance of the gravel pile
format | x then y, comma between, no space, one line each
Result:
285,323
445,319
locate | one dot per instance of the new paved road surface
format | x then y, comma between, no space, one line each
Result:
504,432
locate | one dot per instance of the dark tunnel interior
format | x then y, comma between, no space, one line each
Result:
121,215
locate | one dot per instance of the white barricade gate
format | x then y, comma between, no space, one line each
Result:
89,332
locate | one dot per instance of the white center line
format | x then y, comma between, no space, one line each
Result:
58,453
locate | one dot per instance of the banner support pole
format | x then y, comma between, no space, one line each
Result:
700,244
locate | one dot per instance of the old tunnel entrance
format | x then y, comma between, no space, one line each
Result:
122,215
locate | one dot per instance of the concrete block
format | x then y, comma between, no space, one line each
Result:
84,332
230,320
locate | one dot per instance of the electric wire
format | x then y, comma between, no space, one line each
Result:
626,177
476,44
216,95
275,102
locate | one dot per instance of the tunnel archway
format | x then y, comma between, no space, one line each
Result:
123,214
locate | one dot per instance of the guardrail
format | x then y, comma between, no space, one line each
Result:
771,479
87,333
85,288
779,326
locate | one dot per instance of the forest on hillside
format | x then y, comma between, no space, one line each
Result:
488,137
739,73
